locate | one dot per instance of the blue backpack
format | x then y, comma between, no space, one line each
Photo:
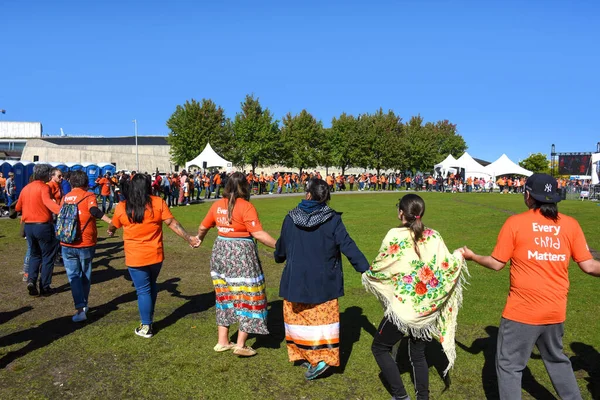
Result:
67,222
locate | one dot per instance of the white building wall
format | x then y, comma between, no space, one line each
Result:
13,129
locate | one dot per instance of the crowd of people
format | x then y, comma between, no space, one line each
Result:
416,278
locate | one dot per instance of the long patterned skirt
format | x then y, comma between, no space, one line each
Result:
239,285
312,332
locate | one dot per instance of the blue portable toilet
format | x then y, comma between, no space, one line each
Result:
74,166
6,167
63,168
93,173
20,181
29,170
106,167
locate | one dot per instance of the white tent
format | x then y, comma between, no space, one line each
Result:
504,166
472,167
211,158
443,167
595,161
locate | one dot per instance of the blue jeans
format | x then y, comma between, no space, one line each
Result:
110,203
144,280
10,199
78,264
43,246
26,260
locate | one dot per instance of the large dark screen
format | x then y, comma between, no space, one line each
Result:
574,164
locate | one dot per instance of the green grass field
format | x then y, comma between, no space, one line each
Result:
43,354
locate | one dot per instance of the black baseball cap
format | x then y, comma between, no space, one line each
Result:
543,188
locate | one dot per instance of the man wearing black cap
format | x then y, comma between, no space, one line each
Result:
539,244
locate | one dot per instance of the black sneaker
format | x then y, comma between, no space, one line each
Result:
144,331
49,291
32,289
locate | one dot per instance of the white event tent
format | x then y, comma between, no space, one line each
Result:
504,166
449,163
211,158
472,167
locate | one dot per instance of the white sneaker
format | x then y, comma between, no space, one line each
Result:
79,317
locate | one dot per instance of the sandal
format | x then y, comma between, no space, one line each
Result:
223,347
245,351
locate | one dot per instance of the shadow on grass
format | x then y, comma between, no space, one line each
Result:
49,331
587,358
8,315
352,322
276,328
487,346
194,304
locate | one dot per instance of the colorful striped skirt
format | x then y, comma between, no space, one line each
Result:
239,285
312,332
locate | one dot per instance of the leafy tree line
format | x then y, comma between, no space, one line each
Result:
379,140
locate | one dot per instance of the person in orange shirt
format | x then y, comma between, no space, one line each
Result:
407,181
279,183
539,244
105,184
330,182
54,184
469,184
2,186
234,266
217,181
37,208
142,216
78,256
351,180
288,183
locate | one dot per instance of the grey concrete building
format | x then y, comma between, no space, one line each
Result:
120,151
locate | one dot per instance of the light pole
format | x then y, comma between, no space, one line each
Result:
137,154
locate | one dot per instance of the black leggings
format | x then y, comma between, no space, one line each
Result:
387,336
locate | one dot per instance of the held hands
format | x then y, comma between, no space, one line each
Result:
194,241
466,252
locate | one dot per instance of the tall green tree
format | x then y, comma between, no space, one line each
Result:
429,143
536,163
193,125
256,134
301,137
344,139
382,133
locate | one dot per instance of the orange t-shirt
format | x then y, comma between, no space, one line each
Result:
2,182
89,235
243,222
105,186
280,181
54,191
143,242
35,203
539,250
217,179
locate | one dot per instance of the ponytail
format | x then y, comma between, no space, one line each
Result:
413,208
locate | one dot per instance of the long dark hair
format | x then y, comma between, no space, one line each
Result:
548,210
237,187
138,197
413,208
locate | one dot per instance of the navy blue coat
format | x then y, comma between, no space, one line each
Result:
313,270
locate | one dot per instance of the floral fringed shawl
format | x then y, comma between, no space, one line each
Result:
421,296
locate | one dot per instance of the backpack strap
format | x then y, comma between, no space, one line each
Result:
89,219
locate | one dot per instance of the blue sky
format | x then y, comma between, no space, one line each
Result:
515,76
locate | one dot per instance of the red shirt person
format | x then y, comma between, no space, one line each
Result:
37,207
539,244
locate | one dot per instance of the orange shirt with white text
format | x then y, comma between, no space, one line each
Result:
539,251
